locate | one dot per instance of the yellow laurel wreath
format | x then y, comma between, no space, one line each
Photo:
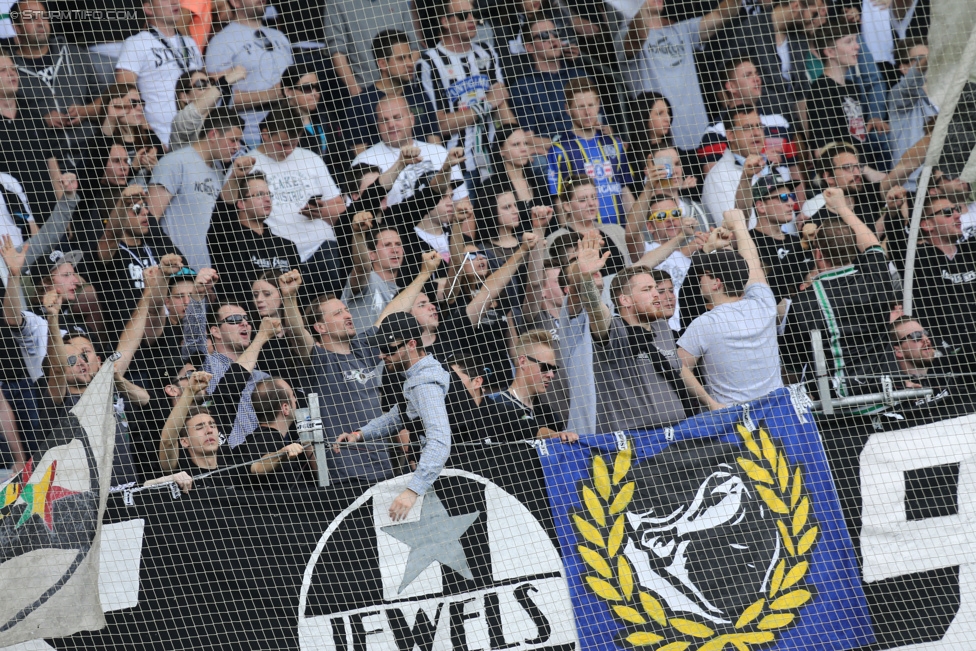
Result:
781,489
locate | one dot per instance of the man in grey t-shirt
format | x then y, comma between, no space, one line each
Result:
185,185
637,386
736,338
660,56
377,255
348,374
262,51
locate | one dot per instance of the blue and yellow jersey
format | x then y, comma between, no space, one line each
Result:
603,159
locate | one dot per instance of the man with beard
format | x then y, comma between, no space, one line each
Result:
518,413
399,342
930,368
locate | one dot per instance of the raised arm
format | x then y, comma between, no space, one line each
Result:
131,339
238,170
13,301
651,259
270,328
743,194
712,22
496,283
535,267
361,265
836,204
580,275
403,302
441,181
735,220
300,339
57,353
169,440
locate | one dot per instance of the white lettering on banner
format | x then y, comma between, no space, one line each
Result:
521,602
893,546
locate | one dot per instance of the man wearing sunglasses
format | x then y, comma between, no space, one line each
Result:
264,52
786,261
398,339
945,275
926,366
517,413
198,93
463,80
132,242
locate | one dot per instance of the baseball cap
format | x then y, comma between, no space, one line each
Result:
399,327
767,185
45,265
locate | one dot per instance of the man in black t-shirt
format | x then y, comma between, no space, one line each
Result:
280,461
132,242
787,263
945,275
839,166
241,246
849,302
833,107
517,412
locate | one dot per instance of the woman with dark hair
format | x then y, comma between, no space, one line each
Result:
276,356
512,168
498,222
124,120
651,115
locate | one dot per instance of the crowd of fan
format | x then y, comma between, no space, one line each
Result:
595,224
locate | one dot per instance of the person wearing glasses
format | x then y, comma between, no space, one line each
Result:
125,123
198,93
463,81
154,59
241,245
517,413
675,238
538,96
132,242
187,183
346,372
262,51
425,392
787,261
945,275
72,366
925,366
727,184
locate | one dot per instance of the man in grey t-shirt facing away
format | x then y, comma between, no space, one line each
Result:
348,374
736,338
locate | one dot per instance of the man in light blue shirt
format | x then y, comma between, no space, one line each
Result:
399,340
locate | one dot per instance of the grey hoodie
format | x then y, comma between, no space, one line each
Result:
425,390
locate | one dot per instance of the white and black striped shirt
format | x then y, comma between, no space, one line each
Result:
454,81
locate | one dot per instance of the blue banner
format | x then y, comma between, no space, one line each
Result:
724,531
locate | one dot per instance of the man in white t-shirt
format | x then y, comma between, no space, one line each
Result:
394,122
736,338
154,59
262,51
306,202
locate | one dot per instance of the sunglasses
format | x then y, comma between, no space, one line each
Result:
137,208
264,40
545,367
461,15
544,35
787,196
662,215
474,255
391,349
186,376
308,89
234,319
73,359
948,211
918,335
200,84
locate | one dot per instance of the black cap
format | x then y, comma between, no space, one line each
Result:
767,185
45,265
399,327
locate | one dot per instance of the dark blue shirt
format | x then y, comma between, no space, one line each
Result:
539,102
